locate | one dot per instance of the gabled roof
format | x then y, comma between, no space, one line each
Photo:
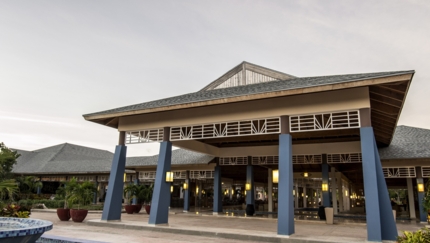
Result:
64,158
246,73
74,159
408,143
179,157
245,90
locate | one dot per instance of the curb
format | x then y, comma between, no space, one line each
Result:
215,234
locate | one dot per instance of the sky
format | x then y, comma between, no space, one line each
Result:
62,59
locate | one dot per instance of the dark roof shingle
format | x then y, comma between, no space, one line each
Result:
408,143
290,84
179,157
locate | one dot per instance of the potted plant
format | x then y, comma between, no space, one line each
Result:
130,192
147,196
82,194
65,192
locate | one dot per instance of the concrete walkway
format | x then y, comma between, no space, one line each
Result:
208,228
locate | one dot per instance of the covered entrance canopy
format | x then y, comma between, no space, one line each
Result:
276,121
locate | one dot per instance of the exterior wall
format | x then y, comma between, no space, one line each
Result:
338,100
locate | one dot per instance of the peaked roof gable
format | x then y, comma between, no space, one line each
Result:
244,74
65,158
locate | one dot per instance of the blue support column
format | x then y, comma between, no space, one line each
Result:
250,197
285,186
187,196
379,216
325,180
113,202
38,190
422,212
217,190
161,196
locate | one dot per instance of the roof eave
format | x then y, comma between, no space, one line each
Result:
407,75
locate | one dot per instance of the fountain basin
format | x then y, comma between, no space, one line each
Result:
22,230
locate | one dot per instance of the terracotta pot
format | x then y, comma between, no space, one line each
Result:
129,209
148,208
78,215
137,208
63,214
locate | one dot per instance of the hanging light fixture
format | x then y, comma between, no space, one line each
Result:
275,176
248,186
169,176
125,177
197,189
185,186
305,174
420,187
324,186
171,189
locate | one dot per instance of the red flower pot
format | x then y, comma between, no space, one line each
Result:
78,215
137,208
148,208
129,209
63,214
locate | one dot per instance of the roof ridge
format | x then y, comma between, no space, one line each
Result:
58,152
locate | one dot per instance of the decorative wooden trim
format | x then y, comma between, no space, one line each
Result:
325,121
399,172
145,136
226,129
344,158
201,174
233,160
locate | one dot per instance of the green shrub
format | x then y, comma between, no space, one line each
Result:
420,236
48,203
26,204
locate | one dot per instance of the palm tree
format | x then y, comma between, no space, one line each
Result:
8,188
83,193
28,185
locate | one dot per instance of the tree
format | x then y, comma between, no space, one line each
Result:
8,188
7,161
28,185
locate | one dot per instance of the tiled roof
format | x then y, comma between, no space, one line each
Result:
64,158
70,158
290,84
408,143
179,157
